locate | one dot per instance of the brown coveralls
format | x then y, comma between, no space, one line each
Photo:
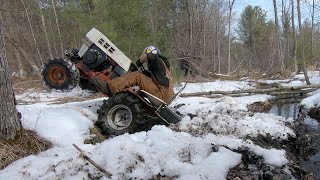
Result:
151,85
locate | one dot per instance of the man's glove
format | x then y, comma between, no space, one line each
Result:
147,73
138,63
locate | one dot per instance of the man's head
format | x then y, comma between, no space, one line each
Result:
150,49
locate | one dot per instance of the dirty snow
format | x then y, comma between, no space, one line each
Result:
183,151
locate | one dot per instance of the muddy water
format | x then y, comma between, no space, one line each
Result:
308,132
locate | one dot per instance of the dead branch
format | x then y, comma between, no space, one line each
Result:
92,162
251,91
176,94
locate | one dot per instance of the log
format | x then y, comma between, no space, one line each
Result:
254,91
92,162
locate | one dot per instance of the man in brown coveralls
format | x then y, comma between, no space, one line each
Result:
159,84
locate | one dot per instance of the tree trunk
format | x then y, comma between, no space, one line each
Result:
45,32
218,36
312,28
294,38
276,29
302,43
9,117
40,63
229,34
57,23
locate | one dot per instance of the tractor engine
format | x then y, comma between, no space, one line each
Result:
99,53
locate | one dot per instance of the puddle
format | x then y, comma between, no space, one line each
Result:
308,132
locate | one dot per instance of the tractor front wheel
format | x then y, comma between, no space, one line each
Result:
122,113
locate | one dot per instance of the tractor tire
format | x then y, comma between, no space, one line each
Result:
60,74
123,113
85,84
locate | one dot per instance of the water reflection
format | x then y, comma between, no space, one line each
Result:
292,111
312,164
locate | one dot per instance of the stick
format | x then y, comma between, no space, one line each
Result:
254,91
92,162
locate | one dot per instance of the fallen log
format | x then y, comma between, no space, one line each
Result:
92,162
307,88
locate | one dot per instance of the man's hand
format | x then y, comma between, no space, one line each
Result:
139,63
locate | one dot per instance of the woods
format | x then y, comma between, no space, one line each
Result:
200,37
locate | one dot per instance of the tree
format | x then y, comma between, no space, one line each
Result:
9,118
251,26
294,38
229,31
256,34
276,29
302,42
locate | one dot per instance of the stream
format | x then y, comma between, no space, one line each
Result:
306,152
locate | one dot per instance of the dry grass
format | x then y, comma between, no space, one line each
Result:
64,100
98,137
25,144
260,106
21,84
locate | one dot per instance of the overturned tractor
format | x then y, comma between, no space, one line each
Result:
129,111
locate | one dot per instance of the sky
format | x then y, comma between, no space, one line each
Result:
267,5
264,4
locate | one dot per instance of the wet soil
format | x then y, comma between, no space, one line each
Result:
303,151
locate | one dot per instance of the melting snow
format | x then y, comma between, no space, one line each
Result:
183,151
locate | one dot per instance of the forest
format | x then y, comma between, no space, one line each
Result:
238,100
201,37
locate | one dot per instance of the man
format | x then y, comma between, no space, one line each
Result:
159,84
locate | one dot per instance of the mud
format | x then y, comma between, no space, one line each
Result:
315,113
303,151
252,167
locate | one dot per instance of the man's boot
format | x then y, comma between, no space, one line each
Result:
102,85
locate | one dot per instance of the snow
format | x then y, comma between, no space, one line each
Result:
181,151
297,80
32,95
229,115
312,100
216,86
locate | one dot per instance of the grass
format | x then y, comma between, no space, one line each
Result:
26,143
98,137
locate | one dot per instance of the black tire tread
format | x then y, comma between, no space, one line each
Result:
72,74
139,120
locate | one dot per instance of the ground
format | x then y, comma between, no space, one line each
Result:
218,138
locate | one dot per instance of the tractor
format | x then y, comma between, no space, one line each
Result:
129,111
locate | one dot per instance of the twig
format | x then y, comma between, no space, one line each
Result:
92,162
176,94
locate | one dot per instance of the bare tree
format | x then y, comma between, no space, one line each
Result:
45,31
57,24
302,42
218,35
276,29
40,63
231,2
312,27
294,38
9,118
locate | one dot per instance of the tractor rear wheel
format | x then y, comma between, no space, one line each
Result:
122,113
60,74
